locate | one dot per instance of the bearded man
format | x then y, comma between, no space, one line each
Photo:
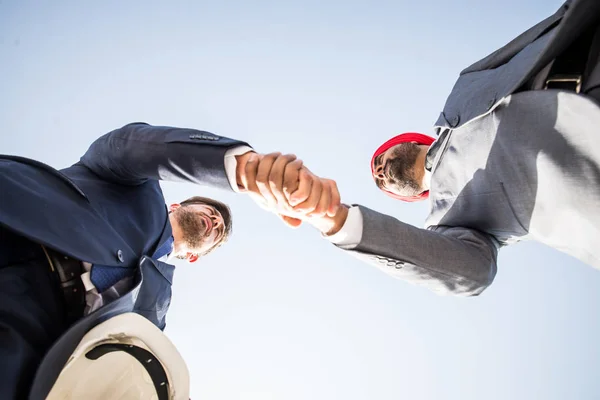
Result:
84,244
516,158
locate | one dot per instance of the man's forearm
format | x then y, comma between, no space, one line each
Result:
138,152
445,259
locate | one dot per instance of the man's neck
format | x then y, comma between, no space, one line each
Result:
420,163
426,184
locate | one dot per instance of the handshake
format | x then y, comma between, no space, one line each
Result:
283,185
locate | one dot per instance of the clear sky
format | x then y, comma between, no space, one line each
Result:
280,313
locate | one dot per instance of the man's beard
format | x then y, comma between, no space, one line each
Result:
192,227
402,170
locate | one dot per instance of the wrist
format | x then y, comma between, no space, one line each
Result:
330,225
241,161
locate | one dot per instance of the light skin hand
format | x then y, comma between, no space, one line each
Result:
329,225
330,215
266,178
315,196
284,178
280,183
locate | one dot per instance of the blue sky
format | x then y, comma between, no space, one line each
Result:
280,313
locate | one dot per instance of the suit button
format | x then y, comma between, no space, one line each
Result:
391,263
120,256
454,121
399,264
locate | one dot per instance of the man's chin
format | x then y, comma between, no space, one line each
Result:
408,193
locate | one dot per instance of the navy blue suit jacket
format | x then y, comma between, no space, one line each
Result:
109,209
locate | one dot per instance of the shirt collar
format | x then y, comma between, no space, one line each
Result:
433,152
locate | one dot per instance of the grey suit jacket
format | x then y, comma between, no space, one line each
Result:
506,168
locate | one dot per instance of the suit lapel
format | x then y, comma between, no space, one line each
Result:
41,204
167,232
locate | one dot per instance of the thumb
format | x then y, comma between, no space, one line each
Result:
290,221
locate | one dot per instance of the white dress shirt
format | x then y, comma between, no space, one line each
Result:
351,233
231,164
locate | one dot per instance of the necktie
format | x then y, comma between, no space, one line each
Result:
165,249
103,276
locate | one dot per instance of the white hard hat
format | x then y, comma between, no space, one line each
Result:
125,357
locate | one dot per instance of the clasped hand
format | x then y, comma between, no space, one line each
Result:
283,185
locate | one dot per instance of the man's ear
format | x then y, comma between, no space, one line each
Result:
192,258
174,207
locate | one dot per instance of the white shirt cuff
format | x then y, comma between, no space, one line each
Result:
351,232
231,164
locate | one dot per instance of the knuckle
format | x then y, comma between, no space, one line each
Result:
312,203
320,208
317,213
262,176
250,169
268,159
291,183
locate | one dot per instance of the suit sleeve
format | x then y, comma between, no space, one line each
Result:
139,152
447,260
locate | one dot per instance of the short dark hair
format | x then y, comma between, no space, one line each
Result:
221,208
